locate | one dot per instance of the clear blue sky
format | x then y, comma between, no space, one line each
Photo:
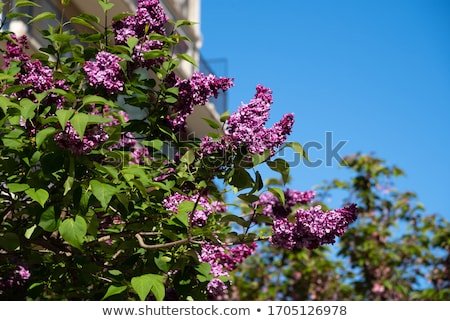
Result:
374,73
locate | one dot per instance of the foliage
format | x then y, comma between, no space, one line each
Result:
102,196
394,252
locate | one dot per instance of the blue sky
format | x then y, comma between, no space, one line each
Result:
374,73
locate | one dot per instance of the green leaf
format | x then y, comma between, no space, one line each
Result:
225,116
180,23
103,192
236,219
16,187
187,58
25,3
40,195
114,290
9,241
68,185
15,14
63,116
249,198
42,16
188,157
162,262
58,37
83,22
97,119
48,220
211,123
74,231
204,269
27,108
106,6
29,232
259,158
155,144
132,42
42,135
297,147
66,94
93,99
184,208
152,54
79,122
143,284
241,179
281,166
278,193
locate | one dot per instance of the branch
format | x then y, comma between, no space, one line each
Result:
165,245
159,246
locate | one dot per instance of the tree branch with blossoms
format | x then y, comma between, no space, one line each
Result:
71,141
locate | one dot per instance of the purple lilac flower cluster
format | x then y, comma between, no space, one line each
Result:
18,277
246,128
308,228
194,91
15,50
272,206
69,139
204,207
39,78
223,260
105,72
149,18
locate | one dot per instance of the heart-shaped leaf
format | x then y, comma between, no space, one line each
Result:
73,231
143,284
40,195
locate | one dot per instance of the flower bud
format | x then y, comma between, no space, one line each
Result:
65,3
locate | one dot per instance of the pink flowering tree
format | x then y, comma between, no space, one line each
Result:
97,204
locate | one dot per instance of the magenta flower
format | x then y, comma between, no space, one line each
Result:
315,227
105,72
191,92
216,287
223,260
15,50
245,129
69,139
272,206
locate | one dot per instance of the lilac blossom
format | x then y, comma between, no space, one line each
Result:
149,18
38,77
69,139
272,206
105,72
246,128
216,287
17,278
223,259
201,213
295,227
15,50
194,91
315,227
283,233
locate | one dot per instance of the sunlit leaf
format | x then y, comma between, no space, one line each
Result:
74,231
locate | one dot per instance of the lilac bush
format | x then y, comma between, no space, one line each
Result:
100,205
